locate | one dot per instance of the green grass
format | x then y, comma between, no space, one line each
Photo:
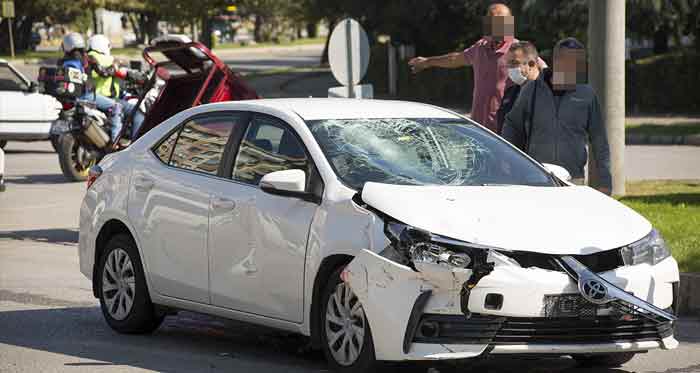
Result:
673,207
681,129
291,43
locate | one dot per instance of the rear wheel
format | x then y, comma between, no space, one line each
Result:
605,360
345,334
74,159
124,299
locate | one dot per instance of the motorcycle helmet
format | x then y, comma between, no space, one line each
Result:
72,42
100,44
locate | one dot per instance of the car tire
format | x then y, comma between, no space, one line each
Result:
124,299
605,360
3,143
355,321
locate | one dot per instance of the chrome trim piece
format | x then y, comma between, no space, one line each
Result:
598,290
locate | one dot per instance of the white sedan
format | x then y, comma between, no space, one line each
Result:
25,114
384,231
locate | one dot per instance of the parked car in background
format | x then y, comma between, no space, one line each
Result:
25,114
384,230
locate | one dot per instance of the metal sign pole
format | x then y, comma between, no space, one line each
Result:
348,43
12,41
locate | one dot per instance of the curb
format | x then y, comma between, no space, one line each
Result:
689,295
639,139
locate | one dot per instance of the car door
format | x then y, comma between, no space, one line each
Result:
257,250
169,202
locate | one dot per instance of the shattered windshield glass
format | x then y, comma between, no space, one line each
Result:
422,152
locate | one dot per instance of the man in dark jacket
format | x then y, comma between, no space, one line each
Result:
522,62
555,117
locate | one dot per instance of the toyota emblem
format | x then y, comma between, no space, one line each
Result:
595,291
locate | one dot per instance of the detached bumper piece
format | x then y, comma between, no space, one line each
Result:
484,329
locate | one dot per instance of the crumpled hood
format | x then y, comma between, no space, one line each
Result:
550,220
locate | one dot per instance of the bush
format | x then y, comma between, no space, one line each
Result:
664,84
435,86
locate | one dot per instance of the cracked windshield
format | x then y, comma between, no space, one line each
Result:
422,152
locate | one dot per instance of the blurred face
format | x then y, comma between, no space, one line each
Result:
499,23
569,69
499,27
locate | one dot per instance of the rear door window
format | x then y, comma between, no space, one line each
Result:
199,144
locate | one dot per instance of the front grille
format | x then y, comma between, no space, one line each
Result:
598,262
483,329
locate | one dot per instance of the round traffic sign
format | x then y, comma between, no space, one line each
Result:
348,52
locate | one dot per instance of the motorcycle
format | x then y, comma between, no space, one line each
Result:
80,135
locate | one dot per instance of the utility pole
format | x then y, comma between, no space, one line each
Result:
8,11
606,66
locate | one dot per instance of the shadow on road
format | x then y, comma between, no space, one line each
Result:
29,151
191,343
184,343
38,179
66,237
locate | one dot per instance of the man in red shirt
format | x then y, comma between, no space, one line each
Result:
488,58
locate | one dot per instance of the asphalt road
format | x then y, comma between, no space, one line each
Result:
49,321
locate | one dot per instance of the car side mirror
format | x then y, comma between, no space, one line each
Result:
558,171
287,183
33,87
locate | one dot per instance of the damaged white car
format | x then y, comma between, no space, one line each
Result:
385,231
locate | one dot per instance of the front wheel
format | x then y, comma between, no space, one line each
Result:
345,333
124,298
74,159
604,360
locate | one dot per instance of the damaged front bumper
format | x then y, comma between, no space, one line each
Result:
424,313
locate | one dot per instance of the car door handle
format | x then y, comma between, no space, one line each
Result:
223,204
143,184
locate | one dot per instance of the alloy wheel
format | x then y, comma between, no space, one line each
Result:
118,284
345,325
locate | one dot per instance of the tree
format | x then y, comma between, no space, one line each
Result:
28,12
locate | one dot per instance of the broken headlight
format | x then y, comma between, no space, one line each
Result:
651,249
411,245
431,253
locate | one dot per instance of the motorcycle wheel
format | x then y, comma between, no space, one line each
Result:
72,158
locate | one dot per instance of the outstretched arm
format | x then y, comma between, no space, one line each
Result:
447,61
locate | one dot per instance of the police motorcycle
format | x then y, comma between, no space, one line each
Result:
81,132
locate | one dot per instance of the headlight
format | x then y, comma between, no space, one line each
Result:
431,253
411,245
650,249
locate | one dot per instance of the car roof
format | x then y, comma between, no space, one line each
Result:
343,108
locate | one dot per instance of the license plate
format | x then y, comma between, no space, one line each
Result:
59,126
568,305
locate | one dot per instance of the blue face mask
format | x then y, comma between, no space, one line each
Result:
516,76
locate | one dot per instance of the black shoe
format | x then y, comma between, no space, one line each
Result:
2,184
